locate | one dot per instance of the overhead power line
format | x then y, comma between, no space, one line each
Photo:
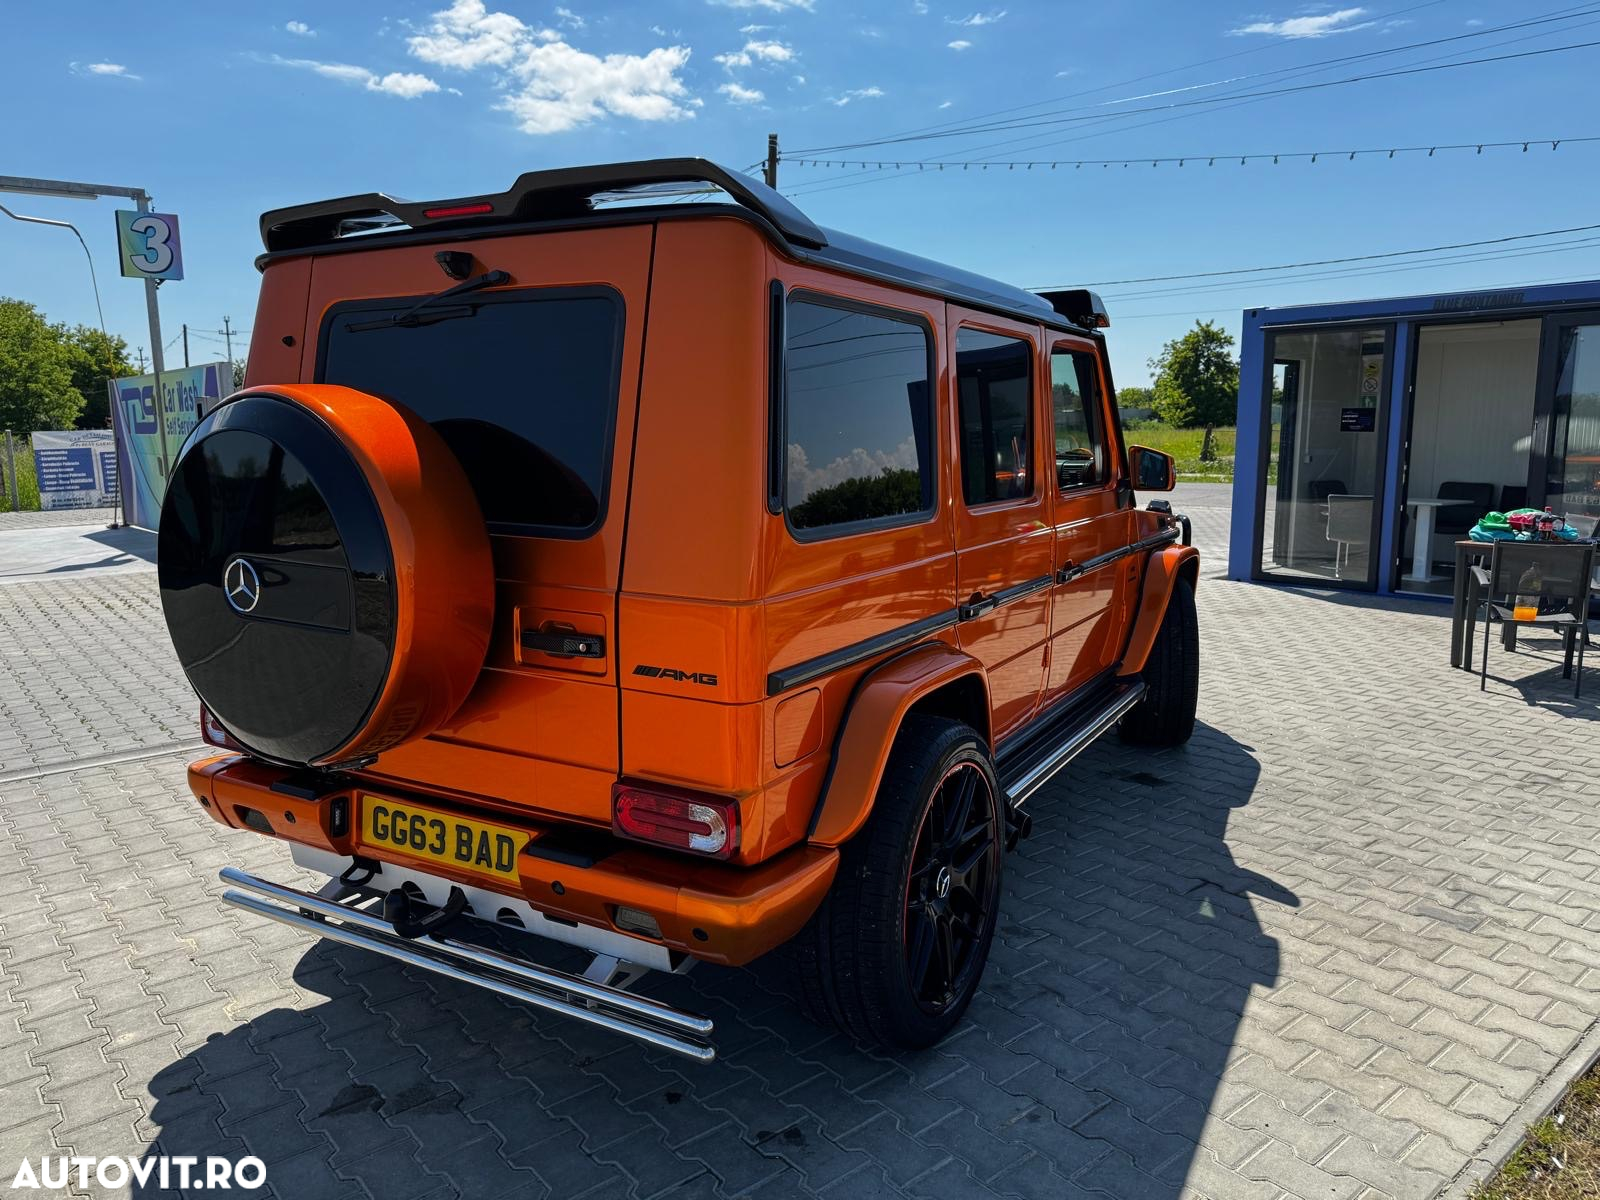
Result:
1039,122
1328,262
1157,160
958,127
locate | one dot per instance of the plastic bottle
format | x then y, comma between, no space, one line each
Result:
1529,586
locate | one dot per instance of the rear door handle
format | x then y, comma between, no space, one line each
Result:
564,643
1068,572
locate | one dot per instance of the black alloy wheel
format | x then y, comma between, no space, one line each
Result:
950,890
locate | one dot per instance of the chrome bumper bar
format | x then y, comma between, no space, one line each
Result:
573,996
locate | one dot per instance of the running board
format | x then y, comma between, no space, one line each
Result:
1064,739
573,996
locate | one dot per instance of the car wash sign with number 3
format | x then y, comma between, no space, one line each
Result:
147,245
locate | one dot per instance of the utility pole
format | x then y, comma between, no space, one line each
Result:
186,345
771,173
141,360
227,333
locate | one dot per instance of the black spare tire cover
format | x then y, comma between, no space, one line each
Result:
278,575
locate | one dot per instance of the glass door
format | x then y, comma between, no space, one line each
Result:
1325,429
1572,472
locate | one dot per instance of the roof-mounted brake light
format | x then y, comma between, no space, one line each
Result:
458,210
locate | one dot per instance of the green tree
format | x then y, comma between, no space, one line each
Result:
1136,397
96,359
1197,382
896,490
36,389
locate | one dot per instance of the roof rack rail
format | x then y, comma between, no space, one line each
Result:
536,195
1080,306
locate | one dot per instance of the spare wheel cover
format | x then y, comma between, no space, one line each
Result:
325,573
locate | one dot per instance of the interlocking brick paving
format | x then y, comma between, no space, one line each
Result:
1324,951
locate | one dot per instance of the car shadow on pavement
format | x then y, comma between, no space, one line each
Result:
1128,949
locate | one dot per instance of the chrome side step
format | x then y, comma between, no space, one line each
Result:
586,1000
1076,740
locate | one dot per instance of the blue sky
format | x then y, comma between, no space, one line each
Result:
221,111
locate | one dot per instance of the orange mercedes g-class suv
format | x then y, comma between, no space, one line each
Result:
675,581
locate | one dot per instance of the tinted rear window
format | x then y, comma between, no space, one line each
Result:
522,387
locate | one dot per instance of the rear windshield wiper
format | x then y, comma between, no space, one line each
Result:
410,317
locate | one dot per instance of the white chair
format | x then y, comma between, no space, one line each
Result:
1349,524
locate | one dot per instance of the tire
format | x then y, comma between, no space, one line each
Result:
1165,716
869,960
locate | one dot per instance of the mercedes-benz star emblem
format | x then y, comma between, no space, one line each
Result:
241,585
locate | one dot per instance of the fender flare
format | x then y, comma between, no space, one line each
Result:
1161,571
869,725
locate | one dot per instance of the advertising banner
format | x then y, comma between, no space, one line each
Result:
151,430
77,468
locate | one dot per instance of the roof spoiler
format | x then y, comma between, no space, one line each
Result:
1080,306
535,196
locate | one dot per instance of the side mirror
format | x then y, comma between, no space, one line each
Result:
1152,470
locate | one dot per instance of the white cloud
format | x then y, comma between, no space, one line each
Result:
741,95
405,84
1474,22
300,29
115,70
562,88
570,19
749,29
769,5
959,44
920,7
551,86
1344,20
979,18
466,35
770,52
946,104
803,478
866,93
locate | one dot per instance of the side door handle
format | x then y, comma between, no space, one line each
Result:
1068,572
977,606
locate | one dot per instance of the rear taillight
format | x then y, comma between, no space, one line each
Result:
211,731
682,820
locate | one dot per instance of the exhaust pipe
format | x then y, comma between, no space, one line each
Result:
637,1017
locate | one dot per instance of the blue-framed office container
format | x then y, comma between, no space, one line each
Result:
1370,431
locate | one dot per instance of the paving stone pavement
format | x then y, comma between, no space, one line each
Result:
1324,951
49,518
87,670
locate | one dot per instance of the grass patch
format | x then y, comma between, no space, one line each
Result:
1559,1159
1184,446
27,481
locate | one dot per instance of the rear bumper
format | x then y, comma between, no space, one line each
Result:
711,911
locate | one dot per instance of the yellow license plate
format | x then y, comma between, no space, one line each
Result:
440,837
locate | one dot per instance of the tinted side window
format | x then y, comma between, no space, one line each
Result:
994,385
858,416
1075,402
522,389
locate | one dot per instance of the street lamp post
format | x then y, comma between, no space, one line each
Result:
70,190
93,279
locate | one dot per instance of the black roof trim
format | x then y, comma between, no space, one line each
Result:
1078,305
536,195
563,199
